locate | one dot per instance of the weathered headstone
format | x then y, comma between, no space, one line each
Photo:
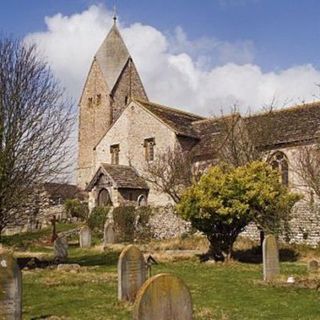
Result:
313,266
163,297
60,249
271,266
131,273
85,237
109,233
10,288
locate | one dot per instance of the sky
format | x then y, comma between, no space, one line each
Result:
202,56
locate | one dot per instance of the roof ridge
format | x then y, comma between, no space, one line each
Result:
215,118
283,109
167,107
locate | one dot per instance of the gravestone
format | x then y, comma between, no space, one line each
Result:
109,233
271,266
85,237
60,249
163,297
313,266
10,288
131,273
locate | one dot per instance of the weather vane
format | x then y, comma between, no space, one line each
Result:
114,12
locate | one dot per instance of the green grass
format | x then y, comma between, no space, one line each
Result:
233,291
219,292
26,239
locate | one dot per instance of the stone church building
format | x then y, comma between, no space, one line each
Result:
120,131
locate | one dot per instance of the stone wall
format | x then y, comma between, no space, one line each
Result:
95,117
129,131
165,224
128,86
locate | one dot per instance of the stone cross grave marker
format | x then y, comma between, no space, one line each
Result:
313,266
85,237
10,288
271,266
131,273
60,249
163,297
109,233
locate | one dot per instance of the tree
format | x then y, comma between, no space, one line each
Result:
227,199
171,172
35,124
237,146
307,161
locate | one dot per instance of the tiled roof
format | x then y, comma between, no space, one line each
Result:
121,177
179,121
63,191
112,56
286,126
212,132
125,176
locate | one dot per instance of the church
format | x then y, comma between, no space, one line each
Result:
120,131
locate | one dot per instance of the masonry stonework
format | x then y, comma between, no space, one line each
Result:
114,111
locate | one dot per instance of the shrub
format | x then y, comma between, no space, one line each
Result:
142,228
97,218
76,208
124,222
226,199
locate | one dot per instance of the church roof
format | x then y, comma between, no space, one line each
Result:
112,56
179,121
286,126
121,177
212,132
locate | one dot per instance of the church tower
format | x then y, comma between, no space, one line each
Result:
112,81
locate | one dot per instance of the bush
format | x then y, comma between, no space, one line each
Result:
76,208
227,199
98,218
142,230
124,222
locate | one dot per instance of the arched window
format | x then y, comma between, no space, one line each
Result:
142,201
104,198
279,162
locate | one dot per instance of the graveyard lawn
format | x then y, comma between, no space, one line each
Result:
234,291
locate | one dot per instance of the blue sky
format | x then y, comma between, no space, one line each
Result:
266,47
284,32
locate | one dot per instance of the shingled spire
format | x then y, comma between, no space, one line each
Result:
112,56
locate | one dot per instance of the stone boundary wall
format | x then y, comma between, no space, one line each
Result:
304,225
165,224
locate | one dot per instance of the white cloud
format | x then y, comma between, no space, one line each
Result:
203,76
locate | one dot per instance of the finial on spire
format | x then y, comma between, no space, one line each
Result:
114,13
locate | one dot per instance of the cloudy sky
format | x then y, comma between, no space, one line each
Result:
203,56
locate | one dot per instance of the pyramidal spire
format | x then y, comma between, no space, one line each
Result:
112,55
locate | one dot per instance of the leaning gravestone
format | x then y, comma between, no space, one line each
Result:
10,288
313,266
60,249
109,233
131,273
85,237
271,266
163,297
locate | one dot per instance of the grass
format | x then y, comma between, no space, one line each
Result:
232,291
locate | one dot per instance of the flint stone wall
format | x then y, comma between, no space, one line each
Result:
304,225
165,223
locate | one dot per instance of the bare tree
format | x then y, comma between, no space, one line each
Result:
237,147
35,124
171,172
307,166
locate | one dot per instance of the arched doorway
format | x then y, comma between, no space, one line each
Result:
104,199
